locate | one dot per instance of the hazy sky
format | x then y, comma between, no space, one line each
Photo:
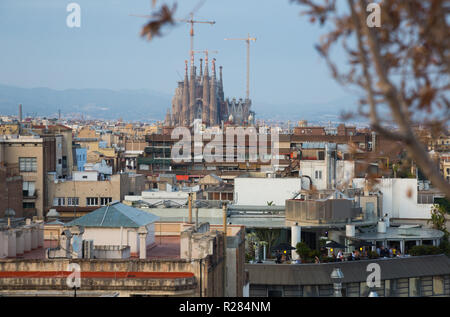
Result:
37,49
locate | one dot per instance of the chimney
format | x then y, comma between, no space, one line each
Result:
196,219
190,207
20,112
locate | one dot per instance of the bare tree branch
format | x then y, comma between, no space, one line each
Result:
404,66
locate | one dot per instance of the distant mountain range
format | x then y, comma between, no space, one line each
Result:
144,105
91,103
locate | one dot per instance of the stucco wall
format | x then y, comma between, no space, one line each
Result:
399,198
116,236
259,191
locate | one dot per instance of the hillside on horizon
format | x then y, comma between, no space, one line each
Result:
141,104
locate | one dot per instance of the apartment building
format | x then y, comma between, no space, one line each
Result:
34,156
245,157
11,191
444,161
64,155
88,190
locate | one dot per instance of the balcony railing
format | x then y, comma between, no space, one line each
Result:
26,194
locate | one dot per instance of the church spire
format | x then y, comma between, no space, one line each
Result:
192,92
205,109
185,105
214,68
168,121
213,97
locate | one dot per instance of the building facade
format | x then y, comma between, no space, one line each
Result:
85,193
34,156
400,277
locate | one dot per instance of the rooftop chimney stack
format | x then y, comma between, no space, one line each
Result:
20,112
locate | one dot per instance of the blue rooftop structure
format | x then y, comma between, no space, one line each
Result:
81,156
115,215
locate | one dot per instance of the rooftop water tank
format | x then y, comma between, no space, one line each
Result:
350,230
381,228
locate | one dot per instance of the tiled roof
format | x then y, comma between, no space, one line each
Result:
115,215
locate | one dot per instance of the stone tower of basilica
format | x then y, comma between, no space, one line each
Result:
201,96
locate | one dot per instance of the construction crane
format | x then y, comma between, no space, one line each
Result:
206,52
247,40
191,32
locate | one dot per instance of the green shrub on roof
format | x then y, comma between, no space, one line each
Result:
424,250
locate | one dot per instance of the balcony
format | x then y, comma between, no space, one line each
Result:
28,196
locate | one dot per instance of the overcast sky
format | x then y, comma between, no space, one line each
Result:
37,49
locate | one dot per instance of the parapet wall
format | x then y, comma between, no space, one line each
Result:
101,275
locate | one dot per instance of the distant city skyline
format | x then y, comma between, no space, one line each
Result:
106,52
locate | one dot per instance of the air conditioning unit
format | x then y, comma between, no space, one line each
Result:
88,249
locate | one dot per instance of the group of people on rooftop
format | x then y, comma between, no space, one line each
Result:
341,256
357,255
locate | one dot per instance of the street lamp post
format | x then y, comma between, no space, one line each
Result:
337,277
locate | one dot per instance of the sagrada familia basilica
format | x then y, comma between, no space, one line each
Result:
201,96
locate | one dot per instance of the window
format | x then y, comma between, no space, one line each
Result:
27,164
310,291
364,289
58,201
318,174
321,155
414,286
28,189
391,288
387,288
72,201
274,293
28,205
92,201
105,200
438,285
64,162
